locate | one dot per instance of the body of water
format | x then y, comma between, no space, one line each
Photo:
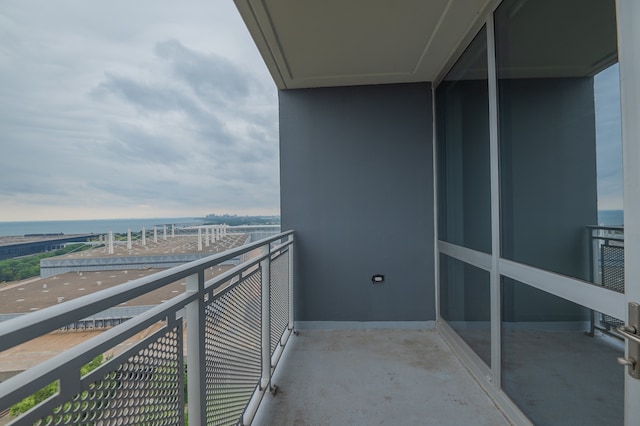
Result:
610,217
89,226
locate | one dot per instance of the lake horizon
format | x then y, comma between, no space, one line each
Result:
90,226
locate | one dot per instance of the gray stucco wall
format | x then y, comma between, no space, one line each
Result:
357,187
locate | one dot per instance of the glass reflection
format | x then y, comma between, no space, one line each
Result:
558,366
559,134
462,114
465,303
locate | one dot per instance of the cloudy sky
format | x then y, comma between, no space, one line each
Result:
125,109
609,138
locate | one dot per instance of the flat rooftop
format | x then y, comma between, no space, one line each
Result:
38,293
180,244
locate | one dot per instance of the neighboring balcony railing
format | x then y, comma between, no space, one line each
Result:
237,324
606,251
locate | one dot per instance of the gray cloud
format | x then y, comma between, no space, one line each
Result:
137,146
148,98
212,77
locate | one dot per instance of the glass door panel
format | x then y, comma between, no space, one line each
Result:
566,108
552,367
462,113
465,305
559,133
561,138
628,14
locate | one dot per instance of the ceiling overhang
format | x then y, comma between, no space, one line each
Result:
311,43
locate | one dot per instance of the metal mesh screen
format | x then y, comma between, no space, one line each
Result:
279,297
232,350
612,269
145,389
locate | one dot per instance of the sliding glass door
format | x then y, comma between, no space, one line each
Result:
532,226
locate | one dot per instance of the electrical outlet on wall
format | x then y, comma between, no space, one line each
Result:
377,279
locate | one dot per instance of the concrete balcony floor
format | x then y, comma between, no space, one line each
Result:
374,377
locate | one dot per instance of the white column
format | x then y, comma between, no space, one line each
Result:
129,239
155,234
173,230
110,242
199,239
144,237
164,232
206,237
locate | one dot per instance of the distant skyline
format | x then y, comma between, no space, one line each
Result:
133,110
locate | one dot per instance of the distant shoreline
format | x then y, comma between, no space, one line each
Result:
89,226
101,226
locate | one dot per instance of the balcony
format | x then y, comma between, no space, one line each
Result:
606,253
225,336
374,376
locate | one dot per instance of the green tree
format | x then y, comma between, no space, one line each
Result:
49,390
29,266
33,400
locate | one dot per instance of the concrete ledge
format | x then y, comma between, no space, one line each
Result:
6,375
365,325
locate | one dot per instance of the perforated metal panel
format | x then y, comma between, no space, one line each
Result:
147,388
612,267
232,350
279,298
612,270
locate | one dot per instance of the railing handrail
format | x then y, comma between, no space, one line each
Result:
607,239
17,387
606,227
233,227
19,330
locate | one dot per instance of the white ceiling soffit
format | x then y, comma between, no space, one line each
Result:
316,43
578,39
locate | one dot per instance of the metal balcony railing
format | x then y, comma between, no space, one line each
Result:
606,251
234,325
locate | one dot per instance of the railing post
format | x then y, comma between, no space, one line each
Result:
196,373
595,253
291,281
593,265
265,266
